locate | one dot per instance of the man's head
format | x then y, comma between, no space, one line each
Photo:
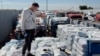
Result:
34,6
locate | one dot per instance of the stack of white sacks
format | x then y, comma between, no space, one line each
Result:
79,47
45,46
71,39
76,37
10,47
52,45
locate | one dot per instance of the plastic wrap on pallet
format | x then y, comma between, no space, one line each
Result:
12,49
80,46
7,47
17,52
44,51
48,43
34,45
57,52
9,44
65,32
3,53
61,45
44,38
96,34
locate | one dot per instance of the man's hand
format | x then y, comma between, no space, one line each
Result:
24,33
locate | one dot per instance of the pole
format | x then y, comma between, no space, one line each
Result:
47,19
46,5
1,4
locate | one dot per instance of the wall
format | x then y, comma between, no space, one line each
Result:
7,17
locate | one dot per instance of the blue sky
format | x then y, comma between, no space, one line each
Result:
52,4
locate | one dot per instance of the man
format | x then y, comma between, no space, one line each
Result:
28,26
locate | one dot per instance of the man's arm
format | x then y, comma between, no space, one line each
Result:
24,17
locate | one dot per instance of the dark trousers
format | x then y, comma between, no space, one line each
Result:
28,40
